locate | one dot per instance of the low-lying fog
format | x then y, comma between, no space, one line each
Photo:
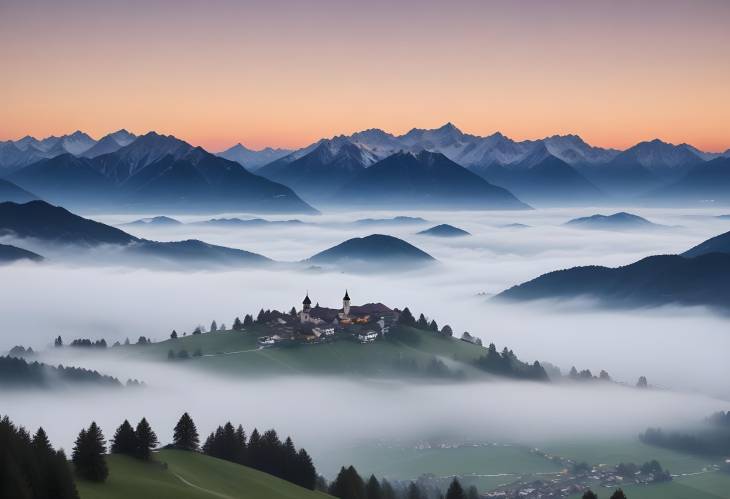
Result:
678,348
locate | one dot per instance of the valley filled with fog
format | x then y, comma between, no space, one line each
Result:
680,350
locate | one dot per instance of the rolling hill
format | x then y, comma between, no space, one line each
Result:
9,254
444,230
717,244
423,180
652,281
617,222
52,225
374,250
188,475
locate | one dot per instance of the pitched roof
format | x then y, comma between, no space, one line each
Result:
307,301
347,297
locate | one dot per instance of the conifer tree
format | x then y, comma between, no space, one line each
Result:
248,320
406,318
89,454
173,335
589,494
387,490
447,331
146,439
422,322
306,472
414,492
433,326
237,326
455,491
618,494
213,327
472,493
185,435
348,485
373,489
125,440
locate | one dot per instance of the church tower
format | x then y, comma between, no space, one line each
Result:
306,307
346,305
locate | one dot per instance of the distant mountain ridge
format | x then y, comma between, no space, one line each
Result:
375,249
156,172
617,221
252,159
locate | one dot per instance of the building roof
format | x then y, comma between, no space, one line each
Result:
307,301
347,297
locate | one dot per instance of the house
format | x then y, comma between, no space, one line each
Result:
367,337
266,341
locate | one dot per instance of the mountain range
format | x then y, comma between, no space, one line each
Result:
373,250
617,222
130,172
155,172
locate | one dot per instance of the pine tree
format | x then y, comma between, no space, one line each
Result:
387,490
173,335
293,312
125,440
472,493
447,331
185,435
422,322
618,494
213,327
414,492
306,472
248,320
58,342
373,489
89,454
406,318
455,491
433,326
589,494
237,326
240,445
348,485
146,439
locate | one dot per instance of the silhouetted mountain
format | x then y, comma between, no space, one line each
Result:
193,251
543,179
705,182
317,174
157,172
40,220
66,179
444,230
425,180
200,181
514,226
155,221
717,244
51,224
617,221
11,192
376,249
9,254
253,160
399,220
652,281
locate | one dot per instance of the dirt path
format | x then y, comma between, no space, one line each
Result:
202,489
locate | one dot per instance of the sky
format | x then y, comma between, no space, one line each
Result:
285,73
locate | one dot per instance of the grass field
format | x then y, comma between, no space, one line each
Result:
188,475
234,353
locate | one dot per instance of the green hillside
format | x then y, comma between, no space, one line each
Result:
237,352
188,475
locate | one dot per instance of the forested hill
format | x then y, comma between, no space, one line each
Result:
19,373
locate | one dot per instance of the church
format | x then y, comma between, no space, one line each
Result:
319,315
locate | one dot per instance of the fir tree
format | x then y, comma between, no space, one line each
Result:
414,492
89,454
618,494
373,489
213,327
146,439
248,320
58,342
447,331
348,485
237,326
433,326
125,440
185,435
406,318
173,335
422,322
455,491
306,475
589,494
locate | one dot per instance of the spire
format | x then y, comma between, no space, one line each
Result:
347,297
307,301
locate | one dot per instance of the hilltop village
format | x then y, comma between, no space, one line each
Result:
319,324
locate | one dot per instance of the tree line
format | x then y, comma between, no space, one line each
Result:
18,372
264,452
507,364
30,468
617,494
349,485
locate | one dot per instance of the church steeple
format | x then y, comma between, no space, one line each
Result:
346,305
347,297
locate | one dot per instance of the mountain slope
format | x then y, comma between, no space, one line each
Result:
193,251
375,249
617,221
40,220
65,179
188,475
543,179
11,192
652,281
110,143
717,244
201,181
9,254
703,183
426,180
328,167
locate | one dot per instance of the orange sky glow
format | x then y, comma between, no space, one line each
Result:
285,73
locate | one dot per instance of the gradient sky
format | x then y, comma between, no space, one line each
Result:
285,73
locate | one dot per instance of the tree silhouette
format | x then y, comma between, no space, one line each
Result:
618,494
88,454
455,491
125,440
146,439
185,435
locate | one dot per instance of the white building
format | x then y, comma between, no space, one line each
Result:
367,337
